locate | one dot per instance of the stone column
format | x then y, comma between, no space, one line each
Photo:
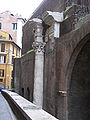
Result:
38,46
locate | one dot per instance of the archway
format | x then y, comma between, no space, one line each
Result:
78,97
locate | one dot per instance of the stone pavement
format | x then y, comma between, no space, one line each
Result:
5,111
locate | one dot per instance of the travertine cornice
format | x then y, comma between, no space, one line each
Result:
50,17
53,19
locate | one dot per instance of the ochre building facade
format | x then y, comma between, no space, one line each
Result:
8,51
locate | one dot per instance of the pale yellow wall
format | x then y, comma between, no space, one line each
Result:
18,50
7,75
2,66
7,27
8,67
4,34
8,70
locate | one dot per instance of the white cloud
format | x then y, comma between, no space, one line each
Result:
23,7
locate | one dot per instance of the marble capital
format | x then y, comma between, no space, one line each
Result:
35,21
38,46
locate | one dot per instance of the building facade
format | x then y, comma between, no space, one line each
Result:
11,43
8,51
8,23
54,70
12,24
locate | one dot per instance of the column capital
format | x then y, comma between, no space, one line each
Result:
38,46
35,22
37,28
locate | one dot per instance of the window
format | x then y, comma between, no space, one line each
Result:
1,73
2,59
1,80
14,26
3,47
12,59
16,51
0,25
13,49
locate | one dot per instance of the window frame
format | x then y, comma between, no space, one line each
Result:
14,26
13,49
13,59
1,80
1,72
0,25
2,59
2,47
16,51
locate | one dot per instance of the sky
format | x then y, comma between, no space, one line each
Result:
20,7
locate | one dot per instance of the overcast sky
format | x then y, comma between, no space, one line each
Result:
23,7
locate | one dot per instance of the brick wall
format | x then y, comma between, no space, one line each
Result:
27,76
17,74
59,61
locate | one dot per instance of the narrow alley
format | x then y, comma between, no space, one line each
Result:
5,111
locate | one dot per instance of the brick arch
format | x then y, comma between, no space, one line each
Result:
76,41
78,93
78,47
68,48
73,57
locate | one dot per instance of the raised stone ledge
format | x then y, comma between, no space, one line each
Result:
28,109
